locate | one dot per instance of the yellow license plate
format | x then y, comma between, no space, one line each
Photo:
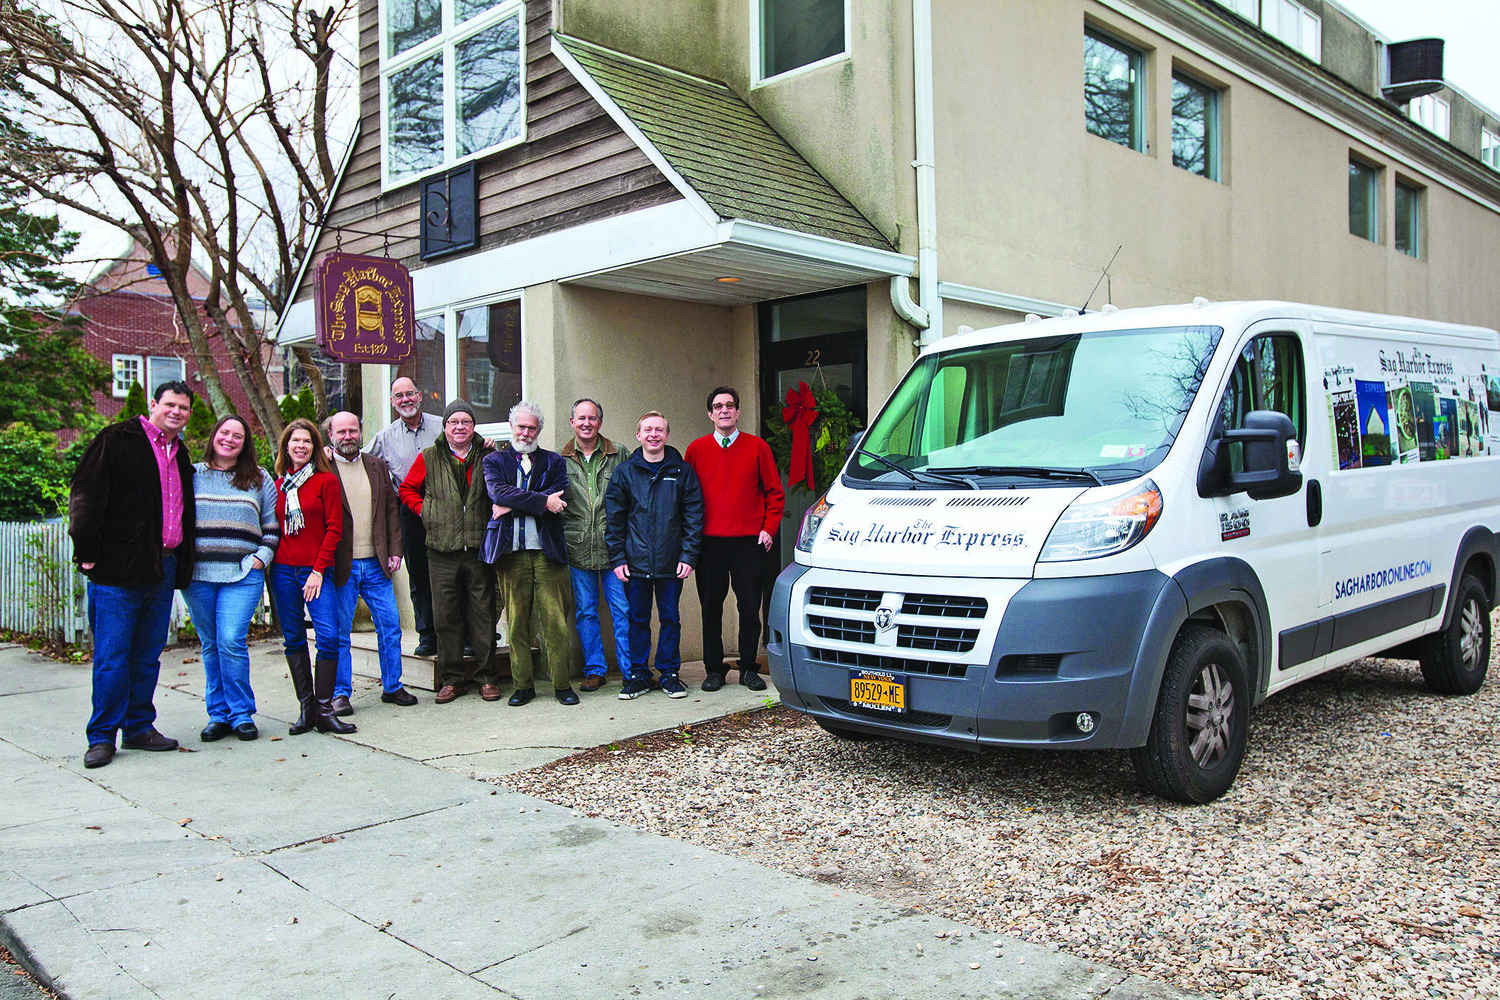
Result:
878,690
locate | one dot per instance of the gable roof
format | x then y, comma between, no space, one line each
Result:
720,148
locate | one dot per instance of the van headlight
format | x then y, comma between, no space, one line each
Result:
1104,527
811,522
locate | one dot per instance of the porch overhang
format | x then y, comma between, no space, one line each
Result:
749,262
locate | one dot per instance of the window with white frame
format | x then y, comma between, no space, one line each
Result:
1407,219
1431,112
1294,24
1244,8
1195,126
127,372
1114,104
452,81
1489,147
795,33
163,369
484,343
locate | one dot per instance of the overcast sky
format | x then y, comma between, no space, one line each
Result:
1470,28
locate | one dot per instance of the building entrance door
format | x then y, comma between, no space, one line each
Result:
817,339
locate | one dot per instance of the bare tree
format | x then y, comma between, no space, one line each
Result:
201,128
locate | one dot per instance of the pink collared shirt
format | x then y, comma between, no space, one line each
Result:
165,450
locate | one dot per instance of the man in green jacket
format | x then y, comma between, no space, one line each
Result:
445,487
591,458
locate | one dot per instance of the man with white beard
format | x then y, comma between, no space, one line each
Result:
398,444
525,543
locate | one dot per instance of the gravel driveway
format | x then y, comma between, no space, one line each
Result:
1357,855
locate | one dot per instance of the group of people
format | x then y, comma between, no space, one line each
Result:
591,523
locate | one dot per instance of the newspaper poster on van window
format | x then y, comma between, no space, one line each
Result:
1395,405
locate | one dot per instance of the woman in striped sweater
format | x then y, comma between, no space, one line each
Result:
237,536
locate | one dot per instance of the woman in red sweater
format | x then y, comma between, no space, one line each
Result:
310,507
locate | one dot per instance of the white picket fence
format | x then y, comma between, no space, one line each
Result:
40,590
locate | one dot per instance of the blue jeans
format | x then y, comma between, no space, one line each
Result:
286,593
369,581
586,586
221,614
639,593
130,629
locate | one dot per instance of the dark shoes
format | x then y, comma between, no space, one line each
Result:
752,679
215,731
400,696
246,731
522,696
341,706
673,686
489,692
149,740
713,682
450,691
633,688
425,647
567,696
592,682
99,754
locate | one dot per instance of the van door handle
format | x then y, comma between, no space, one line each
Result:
1314,503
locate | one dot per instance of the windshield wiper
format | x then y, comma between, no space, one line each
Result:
916,476
1025,471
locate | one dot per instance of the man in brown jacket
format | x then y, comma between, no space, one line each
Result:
372,533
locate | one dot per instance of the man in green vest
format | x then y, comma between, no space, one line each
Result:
445,487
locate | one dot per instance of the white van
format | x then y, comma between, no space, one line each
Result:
1125,529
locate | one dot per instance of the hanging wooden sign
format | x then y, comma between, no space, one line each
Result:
364,308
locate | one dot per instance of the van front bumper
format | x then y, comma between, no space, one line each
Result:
1071,663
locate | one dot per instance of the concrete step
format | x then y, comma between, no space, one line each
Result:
416,671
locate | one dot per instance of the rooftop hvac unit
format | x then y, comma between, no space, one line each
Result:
1413,69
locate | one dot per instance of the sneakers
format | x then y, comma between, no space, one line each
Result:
673,686
634,688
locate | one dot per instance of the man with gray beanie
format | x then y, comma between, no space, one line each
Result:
445,487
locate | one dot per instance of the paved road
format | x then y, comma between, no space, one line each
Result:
324,866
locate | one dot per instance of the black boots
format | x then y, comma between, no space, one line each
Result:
300,665
325,720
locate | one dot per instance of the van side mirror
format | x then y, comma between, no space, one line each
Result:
854,440
1267,470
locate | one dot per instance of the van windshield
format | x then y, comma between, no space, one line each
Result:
1085,409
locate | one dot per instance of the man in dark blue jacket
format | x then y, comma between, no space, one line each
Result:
525,541
653,528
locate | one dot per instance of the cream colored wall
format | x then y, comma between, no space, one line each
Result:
1030,203
635,353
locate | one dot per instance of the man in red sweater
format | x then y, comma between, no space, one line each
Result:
742,501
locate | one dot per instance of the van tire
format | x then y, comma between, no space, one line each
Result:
1201,724
840,732
1455,660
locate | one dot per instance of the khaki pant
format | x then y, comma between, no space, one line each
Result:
534,590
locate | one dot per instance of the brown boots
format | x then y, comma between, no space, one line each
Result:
300,665
315,695
323,680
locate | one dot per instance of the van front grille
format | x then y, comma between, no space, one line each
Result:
891,664
944,640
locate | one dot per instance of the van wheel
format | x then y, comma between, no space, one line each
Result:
1455,660
852,735
1201,725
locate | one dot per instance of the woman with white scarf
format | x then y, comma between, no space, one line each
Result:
310,507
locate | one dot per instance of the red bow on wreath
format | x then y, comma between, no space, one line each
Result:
799,413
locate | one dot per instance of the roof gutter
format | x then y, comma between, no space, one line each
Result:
928,315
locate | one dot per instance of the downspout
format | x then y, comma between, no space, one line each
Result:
928,315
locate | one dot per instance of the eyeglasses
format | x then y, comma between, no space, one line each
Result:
460,422
723,406
407,395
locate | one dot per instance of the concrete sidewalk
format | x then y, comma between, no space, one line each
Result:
374,866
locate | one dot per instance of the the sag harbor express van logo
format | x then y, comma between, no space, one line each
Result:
1356,585
924,534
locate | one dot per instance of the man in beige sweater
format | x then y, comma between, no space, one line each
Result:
372,529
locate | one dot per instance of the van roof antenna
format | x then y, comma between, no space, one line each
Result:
1085,307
